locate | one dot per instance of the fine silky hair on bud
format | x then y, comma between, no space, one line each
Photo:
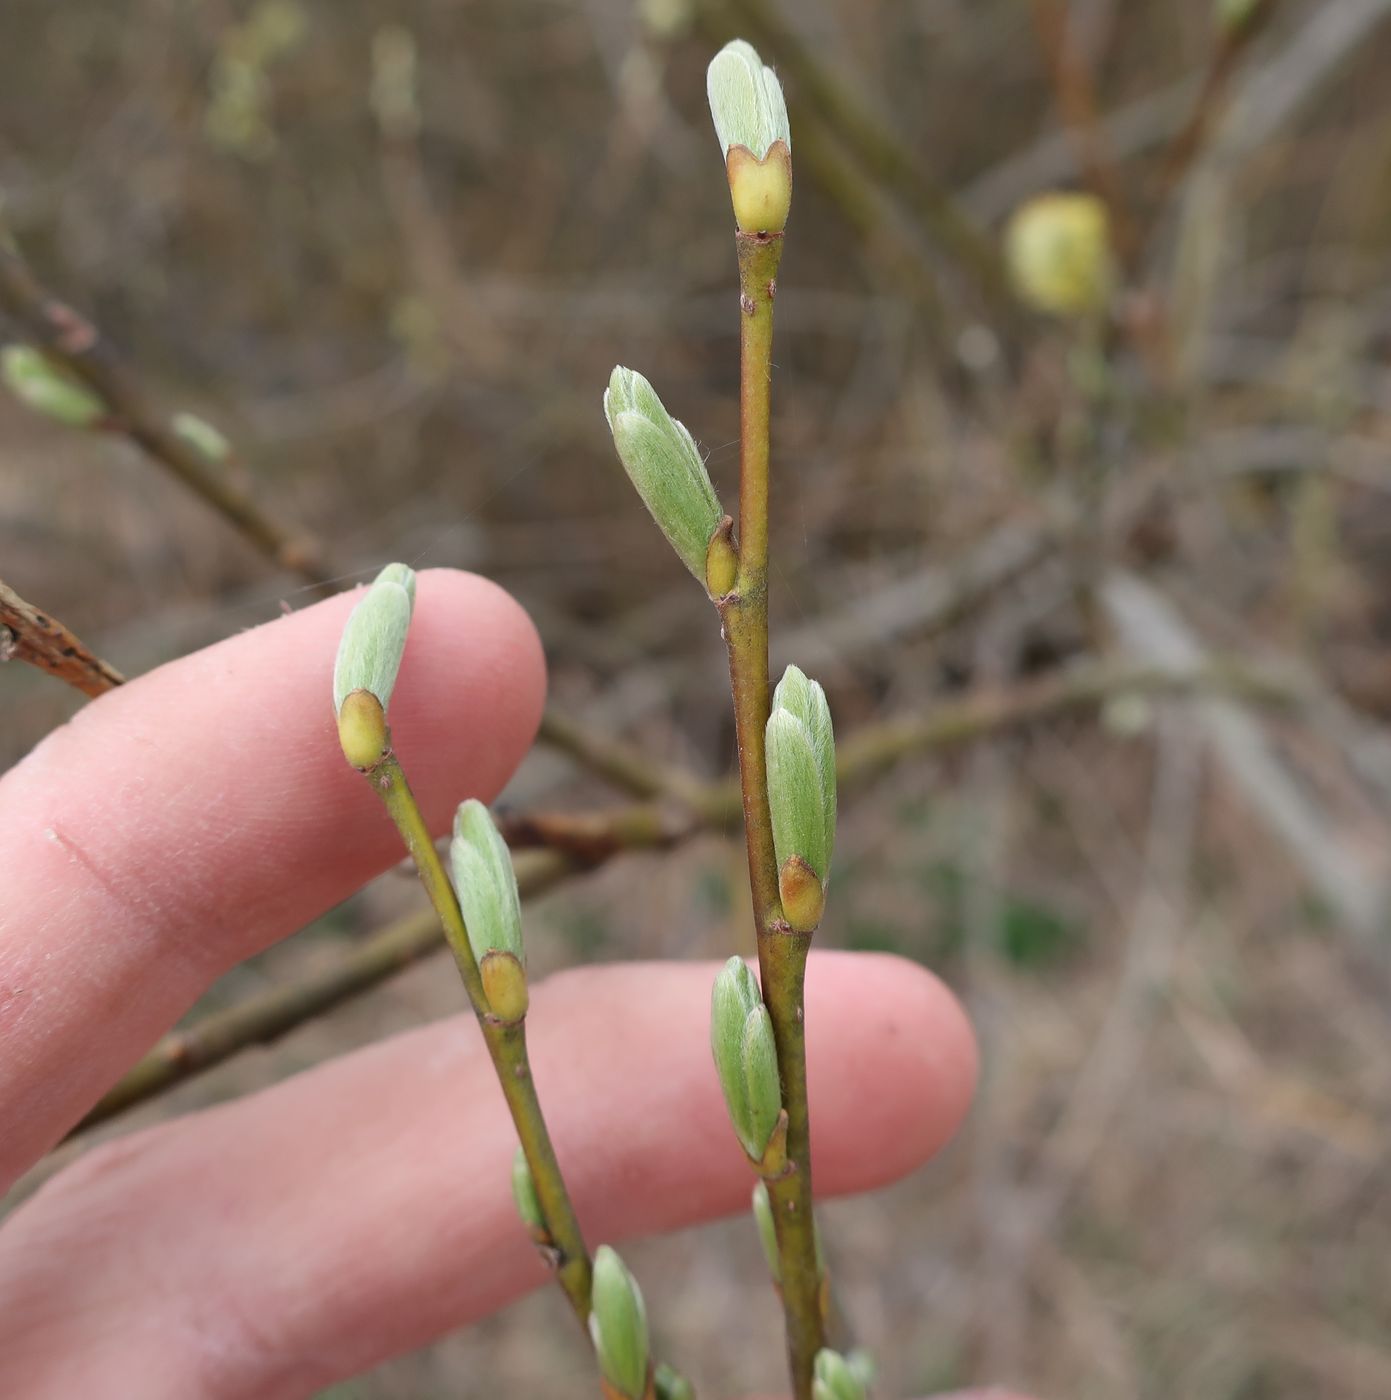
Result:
801,759
374,638
40,384
665,466
834,1379
486,885
618,1325
746,1060
746,101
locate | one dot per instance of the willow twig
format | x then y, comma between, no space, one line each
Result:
78,345
505,1039
26,634
577,842
817,96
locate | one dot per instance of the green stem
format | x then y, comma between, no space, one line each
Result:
506,1041
782,955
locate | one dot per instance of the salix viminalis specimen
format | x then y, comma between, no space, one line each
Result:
786,748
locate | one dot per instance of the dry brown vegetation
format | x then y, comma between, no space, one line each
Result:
1166,914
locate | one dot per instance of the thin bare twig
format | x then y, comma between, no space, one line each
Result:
26,634
78,345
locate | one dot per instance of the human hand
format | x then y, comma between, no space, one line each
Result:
271,1246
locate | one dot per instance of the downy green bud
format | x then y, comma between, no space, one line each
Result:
833,1378
618,1325
202,437
487,888
369,657
47,388
528,1203
665,465
670,1384
801,758
750,117
1058,250
746,1059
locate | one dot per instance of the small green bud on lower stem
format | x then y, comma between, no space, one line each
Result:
486,885
801,761
618,1325
665,466
47,388
741,1041
671,1385
528,1203
834,1380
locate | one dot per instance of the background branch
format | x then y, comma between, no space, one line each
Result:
26,634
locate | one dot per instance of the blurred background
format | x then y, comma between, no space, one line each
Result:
1137,547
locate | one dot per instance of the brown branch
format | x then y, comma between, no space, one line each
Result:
585,840
627,767
26,634
77,345
1187,145
1075,89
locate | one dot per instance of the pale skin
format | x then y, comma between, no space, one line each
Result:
266,1248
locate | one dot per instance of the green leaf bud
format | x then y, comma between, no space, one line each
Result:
665,465
369,657
528,1203
44,386
618,1325
801,759
734,997
759,1057
670,1384
487,888
767,1234
202,437
1058,250
750,116
374,638
833,1379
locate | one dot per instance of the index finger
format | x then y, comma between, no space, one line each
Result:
191,818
